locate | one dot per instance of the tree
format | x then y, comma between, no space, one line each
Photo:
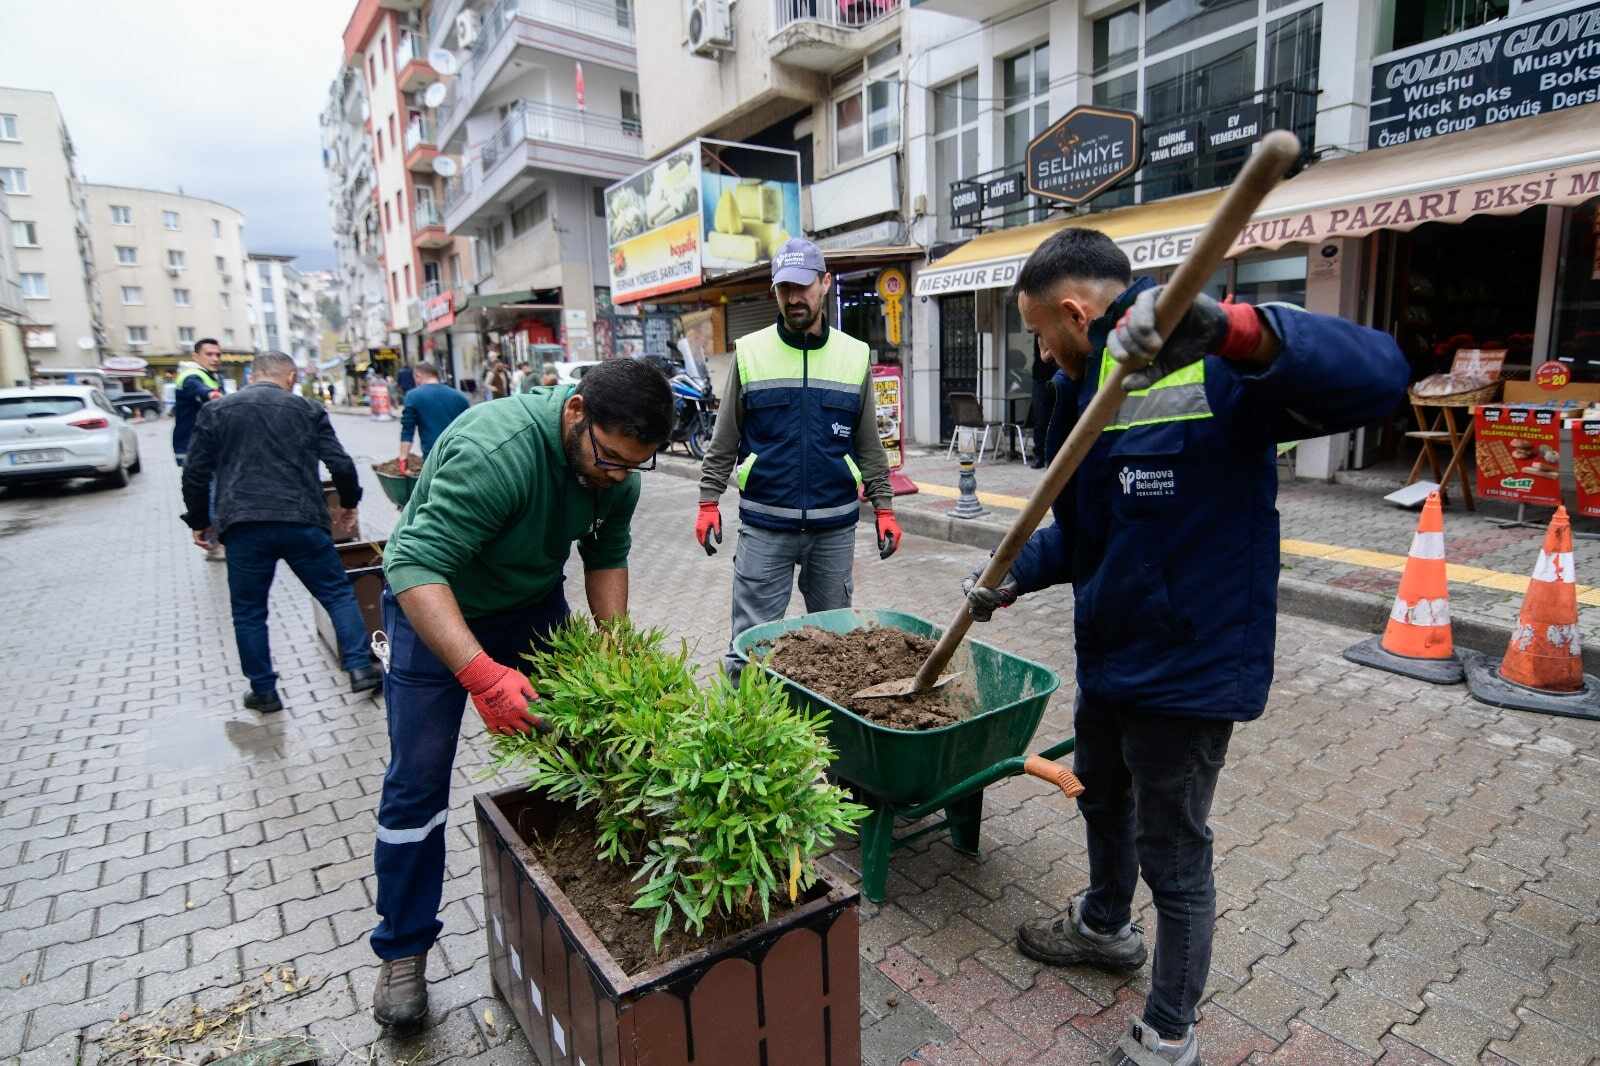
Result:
331,312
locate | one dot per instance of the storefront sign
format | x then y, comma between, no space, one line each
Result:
1233,127
1519,454
892,290
966,202
1506,71
1003,192
1586,466
439,311
993,275
1552,376
1083,154
38,336
1176,144
653,228
886,394
124,363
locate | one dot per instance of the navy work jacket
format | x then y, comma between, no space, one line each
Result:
1169,530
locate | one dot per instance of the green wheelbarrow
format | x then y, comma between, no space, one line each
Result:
396,487
907,775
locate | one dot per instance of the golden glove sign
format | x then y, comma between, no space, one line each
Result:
892,288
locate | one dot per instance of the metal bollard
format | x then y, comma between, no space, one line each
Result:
967,505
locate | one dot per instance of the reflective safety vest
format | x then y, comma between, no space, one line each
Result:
796,471
186,370
1178,397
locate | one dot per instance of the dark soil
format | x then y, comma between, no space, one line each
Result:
838,665
603,892
391,468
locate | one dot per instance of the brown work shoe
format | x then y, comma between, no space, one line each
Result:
401,999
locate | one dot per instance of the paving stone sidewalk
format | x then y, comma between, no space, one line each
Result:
1405,876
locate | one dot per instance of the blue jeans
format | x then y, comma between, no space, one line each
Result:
763,575
1148,781
425,707
212,492
254,549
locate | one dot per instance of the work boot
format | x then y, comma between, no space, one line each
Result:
265,702
365,678
401,998
1067,941
1144,1047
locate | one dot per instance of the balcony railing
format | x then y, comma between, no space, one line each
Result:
533,121
405,50
419,131
432,289
841,14
425,214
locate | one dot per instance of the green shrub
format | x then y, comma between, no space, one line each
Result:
715,793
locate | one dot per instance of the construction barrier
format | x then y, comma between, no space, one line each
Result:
1417,642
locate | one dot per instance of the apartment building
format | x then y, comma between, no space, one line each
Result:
172,269
283,315
49,231
13,356
541,113
359,284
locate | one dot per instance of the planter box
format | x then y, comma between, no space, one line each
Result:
363,565
785,993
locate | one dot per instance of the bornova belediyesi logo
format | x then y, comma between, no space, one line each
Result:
841,430
1148,482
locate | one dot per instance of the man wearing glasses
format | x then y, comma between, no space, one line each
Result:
475,571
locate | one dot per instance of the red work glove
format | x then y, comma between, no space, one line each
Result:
501,695
708,523
888,532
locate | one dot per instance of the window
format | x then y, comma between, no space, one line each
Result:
169,220
847,135
33,405
8,128
181,297
1116,40
388,217
481,258
400,207
138,335
1401,24
455,270
955,140
1026,83
222,265
121,215
264,272
407,273
227,301
883,114
497,236
1186,85
272,337
372,72
394,286
529,215
269,299
227,337
186,335
383,51
35,287
631,123
1575,333
867,119
216,227
132,294
599,201
177,259
24,234
14,180
1171,23
393,140
127,255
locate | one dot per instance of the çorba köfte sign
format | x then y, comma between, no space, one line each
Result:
1507,71
1085,152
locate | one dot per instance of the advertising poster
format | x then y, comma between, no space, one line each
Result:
747,219
1586,466
653,228
886,394
1519,454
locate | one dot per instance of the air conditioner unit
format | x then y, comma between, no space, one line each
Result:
710,26
467,26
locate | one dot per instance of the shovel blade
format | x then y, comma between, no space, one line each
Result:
903,686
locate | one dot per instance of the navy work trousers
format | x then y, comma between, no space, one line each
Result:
425,706
1148,780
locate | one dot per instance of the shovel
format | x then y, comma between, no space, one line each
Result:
1261,172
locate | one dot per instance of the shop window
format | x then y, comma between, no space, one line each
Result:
1576,334
1403,23
1173,23
1281,279
955,141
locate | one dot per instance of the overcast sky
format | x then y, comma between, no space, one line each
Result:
219,98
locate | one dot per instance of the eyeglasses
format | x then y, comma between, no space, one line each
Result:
611,464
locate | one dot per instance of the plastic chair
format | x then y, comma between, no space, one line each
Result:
967,413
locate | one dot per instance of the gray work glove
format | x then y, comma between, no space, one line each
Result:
1203,331
981,602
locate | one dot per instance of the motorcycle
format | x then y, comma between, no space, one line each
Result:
694,406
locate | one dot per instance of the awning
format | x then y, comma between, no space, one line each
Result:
1502,169
1152,235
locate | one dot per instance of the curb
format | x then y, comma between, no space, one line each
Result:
1347,608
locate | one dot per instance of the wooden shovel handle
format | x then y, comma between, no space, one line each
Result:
1054,773
1261,172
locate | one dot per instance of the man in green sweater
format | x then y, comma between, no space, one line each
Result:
474,572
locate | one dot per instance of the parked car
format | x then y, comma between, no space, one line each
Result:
134,400
61,432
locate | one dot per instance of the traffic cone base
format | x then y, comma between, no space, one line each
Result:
1486,685
1417,641
1371,652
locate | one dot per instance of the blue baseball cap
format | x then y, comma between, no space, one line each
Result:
798,262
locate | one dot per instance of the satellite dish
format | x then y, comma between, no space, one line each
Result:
444,61
366,109
435,94
444,166
86,343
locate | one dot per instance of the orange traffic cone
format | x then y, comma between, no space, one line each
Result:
1543,666
1417,642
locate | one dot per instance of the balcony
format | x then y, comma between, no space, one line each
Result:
532,32
538,137
414,73
427,225
822,35
421,148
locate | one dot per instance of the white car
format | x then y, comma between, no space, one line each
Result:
61,432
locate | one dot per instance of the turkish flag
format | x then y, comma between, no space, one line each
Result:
577,78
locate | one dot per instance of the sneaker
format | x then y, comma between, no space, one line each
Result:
265,702
219,554
1066,941
401,998
1143,1047
365,678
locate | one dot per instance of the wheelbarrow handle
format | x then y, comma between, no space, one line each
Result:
1055,774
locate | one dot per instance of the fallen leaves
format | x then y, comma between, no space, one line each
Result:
190,1033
